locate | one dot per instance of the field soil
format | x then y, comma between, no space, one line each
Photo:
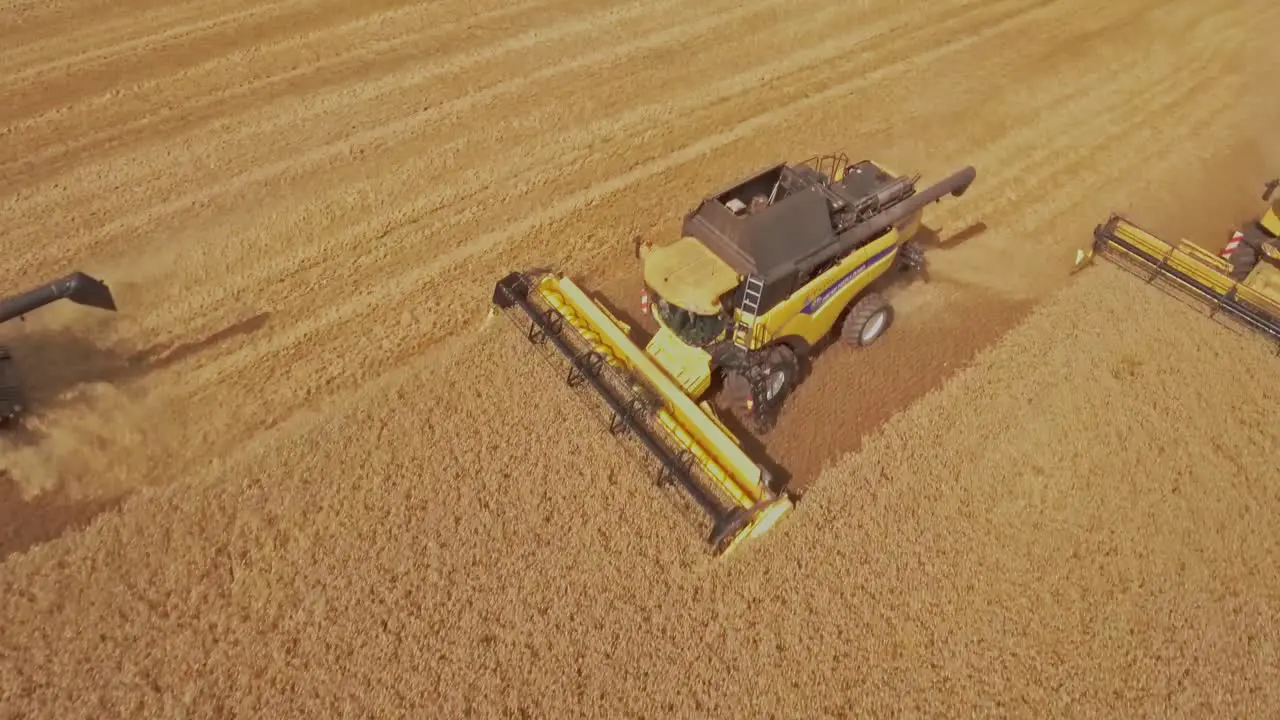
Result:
299,473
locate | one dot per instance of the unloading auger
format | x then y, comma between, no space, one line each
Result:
76,287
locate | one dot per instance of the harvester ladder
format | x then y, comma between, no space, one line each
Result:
744,330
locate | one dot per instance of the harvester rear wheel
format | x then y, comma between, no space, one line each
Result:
867,320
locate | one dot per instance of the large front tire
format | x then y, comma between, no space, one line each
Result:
758,392
777,377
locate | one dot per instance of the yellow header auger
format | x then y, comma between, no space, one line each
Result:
763,270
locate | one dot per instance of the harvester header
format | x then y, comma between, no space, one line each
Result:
1250,295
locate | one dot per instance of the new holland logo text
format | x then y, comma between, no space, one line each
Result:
818,301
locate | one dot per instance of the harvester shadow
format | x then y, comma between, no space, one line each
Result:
53,364
933,240
161,356
25,524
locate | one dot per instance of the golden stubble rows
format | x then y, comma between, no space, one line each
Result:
375,265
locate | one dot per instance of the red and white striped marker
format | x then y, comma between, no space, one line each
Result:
1232,244
644,302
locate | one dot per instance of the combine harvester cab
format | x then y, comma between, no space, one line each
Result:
76,287
763,270
1247,293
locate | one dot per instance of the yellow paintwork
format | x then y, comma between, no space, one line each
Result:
711,413
1271,220
687,365
717,452
764,518
1265,279
691,366
788,317
1271,251
703,278
688,275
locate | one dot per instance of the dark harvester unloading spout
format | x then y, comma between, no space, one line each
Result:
76,287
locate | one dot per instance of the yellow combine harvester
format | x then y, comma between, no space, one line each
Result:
1243,281
763,270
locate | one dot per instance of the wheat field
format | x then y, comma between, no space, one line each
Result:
299,473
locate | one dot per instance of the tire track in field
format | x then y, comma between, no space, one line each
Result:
443,160
280,118
362,35
315,158
219,107
533,170
487,243
287,364
313,327
1018,162
1085,113
97,31
280,269
1009,160
1044,255
166,33
163,57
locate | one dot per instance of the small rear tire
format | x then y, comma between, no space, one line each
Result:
867,320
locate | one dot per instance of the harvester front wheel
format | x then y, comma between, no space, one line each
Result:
758,391
776,376
782,370
867,320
